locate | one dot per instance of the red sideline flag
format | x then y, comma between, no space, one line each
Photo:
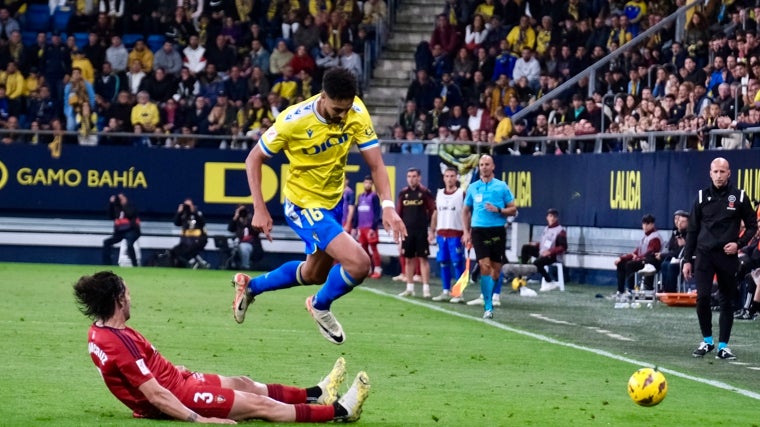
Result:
464,279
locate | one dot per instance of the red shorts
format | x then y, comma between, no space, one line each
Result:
368,236
204,394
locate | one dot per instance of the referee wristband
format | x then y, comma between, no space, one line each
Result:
388,204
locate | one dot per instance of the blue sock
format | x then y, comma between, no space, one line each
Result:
708,340
446,275
486,288
338,283
498,283
285,276
722,345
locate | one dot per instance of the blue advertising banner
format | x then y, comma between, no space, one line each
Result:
156,180
609,190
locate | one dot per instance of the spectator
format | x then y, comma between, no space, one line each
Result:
287,86
134,77
548,250
415,205
445,35
77,91
496,32
56,65
220,118
15,51
221,54
188,87
211,83
249,244
258,83
117,55
336,32
7,24
197,118
41,108
644,253
252,115
168,58
126,226
259,55
236,87
522,36
475,33
193,236
145,113
422,91
180,29
194,55
279,58
307,35
527,66
141,53
160,85
351,61
302,60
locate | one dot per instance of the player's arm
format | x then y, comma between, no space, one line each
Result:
391,220
262,220
168,403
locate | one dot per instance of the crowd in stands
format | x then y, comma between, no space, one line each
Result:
488,59
167,70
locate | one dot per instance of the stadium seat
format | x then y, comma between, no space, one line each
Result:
81,39
130,39
560,275
38,18
155,42
61,19
28,37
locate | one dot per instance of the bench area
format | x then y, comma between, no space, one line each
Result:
591,251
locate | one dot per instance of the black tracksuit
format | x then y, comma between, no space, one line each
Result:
714,221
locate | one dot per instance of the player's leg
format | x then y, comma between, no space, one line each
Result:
408,249
131,237
444,262
726,269
353,265
423,252
703,277
486,286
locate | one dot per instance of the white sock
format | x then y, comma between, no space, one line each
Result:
425,288
410,287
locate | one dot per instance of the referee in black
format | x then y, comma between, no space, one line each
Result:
712,245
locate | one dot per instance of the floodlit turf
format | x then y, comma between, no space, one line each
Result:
429,363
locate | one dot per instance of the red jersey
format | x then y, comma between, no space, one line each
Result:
126,360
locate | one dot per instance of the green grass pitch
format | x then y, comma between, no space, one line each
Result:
558,359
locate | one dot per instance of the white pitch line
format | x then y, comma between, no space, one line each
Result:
544,338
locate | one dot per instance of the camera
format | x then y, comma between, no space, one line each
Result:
186,208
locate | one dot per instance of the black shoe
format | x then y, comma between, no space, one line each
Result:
703,349
747,315
725,354
739,314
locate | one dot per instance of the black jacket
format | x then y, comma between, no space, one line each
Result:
715,219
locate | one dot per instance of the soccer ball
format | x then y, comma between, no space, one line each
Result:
647,387
517,283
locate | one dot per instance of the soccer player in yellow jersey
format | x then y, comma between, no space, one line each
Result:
316,136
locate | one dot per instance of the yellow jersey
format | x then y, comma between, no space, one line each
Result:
317,150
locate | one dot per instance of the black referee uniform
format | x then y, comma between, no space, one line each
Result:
714,221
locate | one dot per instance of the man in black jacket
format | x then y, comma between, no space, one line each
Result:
712,245
193,237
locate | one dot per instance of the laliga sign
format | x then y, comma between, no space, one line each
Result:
3,175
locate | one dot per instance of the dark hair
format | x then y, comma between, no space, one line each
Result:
647,219
339,83
96,294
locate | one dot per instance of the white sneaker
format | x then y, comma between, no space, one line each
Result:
327,324
331,383
354,398
496,300
243,298
426,292
488,314
549,286
399,278
444,296
406,293
456,300
476,301
416,278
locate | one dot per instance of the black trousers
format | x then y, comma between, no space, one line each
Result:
130,236
706,266
540,262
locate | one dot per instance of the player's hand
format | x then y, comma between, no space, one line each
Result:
467,239
686,270
394,225
262,221
491,208
731,248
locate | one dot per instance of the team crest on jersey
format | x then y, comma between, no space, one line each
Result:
369,132
271,133
731,201
220,399
309,132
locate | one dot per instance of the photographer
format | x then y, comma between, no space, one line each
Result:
249,244
193,237
126,226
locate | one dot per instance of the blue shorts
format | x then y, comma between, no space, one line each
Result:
317,227
449,249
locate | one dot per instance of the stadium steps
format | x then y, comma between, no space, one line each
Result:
415,20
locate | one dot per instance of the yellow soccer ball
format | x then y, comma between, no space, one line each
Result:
517,283
647,387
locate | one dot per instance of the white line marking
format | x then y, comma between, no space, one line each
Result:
713,383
